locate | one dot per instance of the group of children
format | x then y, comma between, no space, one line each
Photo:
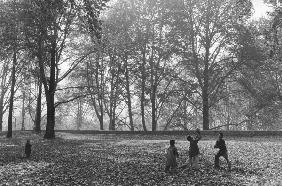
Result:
172,153
193,161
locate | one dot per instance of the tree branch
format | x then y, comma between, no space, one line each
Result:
69,100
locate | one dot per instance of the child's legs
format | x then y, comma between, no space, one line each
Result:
225,155
216,159
27,154
167,165
191,160
196,162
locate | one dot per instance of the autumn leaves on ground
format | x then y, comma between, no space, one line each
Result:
76,159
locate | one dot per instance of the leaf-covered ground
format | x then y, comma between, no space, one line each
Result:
76,159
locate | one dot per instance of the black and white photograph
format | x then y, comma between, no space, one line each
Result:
140,92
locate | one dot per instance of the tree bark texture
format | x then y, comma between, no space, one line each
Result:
37,125
11,105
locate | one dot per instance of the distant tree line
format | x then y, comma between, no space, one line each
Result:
140,64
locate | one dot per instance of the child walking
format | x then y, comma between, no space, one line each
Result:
171,156
194,150
220,144
27,149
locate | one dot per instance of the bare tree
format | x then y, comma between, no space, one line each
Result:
5,83
209,32
48,29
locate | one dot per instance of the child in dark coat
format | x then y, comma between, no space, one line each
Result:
194,150
27,149
171,156
220,144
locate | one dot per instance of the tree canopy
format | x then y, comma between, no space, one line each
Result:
140,65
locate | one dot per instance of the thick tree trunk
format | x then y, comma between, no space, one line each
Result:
205,97
101,99
1,118
153,102
1,110
205,111
153,96
114,115
23,111
113,106
205,90
129,104
101,122
37,126
101,96
143,92
111,114
112,97
3,90
99,112
112,121
143,110
101,118
96,102
11,106
50,126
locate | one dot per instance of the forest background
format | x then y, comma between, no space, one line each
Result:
140,65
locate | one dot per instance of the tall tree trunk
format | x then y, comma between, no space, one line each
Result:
99,112
129,104
11,106
50,126
100,86
101,118
205,97
205,90
101,93
143,107
1,109
111,116
111,125
79,114
114,114
23,111
96,102
114,93
113,105
1,114
153,94
228,108
37,126
143,91
153,102
3,90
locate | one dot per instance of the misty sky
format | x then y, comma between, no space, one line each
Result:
260,8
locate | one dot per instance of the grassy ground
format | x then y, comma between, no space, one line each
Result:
73,159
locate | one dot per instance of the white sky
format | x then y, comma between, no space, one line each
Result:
260,9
